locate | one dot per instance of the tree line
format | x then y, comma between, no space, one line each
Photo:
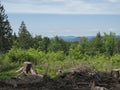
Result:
108,44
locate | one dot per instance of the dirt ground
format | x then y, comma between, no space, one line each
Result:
75,80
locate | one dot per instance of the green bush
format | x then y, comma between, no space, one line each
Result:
20,56
6,67
7,75
115,61
56,56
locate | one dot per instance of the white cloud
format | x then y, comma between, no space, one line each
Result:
114,1
63,6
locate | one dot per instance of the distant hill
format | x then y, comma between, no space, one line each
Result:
74,38
70,38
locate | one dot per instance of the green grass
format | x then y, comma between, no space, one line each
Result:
8,70
7,75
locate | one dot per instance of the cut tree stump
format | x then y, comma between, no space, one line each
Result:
115,73
26,69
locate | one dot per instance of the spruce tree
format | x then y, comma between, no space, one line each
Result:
5,31
24,37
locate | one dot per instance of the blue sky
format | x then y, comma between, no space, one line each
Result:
64,17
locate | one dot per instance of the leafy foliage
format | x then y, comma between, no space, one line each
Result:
109,43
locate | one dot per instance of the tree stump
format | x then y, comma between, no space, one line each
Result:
26,69
115,73
60,73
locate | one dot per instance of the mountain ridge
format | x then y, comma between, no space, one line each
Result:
75,38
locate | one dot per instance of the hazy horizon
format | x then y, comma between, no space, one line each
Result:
64,17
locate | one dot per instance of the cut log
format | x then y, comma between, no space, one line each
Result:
26,69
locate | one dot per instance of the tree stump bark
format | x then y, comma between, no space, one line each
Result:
26,69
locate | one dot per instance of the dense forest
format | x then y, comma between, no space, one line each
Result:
49,54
